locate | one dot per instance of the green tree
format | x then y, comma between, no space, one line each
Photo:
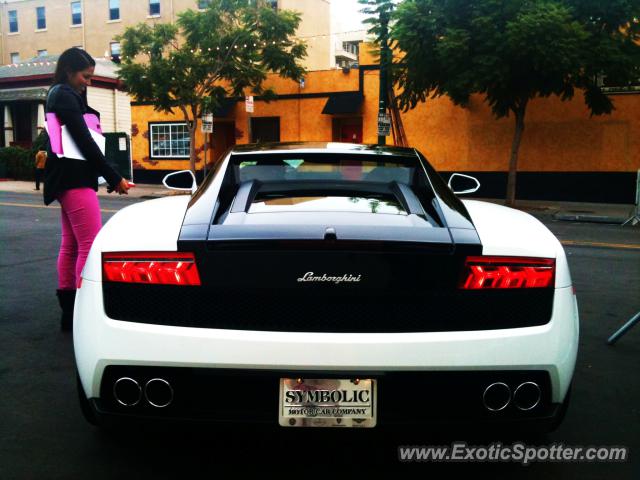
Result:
206,56
512,51
376,10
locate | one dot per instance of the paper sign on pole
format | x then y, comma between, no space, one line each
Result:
207,123
248,104
384,124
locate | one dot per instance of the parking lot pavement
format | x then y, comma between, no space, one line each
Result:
45,436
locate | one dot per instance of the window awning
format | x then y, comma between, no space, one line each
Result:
24,94
343,102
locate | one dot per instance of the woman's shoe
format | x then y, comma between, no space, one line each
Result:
66,299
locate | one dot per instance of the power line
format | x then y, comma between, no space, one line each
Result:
334,33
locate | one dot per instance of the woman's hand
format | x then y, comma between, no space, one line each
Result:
123,187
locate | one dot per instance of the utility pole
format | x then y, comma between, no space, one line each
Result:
384,63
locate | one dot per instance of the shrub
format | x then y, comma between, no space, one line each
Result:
18,162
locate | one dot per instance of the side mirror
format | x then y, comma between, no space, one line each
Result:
183,180
464,184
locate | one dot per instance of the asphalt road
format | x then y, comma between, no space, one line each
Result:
43,435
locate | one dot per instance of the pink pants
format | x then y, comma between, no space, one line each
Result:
81,222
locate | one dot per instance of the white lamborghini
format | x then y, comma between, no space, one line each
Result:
325,285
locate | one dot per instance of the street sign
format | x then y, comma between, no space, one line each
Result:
384,124
248,104
207,123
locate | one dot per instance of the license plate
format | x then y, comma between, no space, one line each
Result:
327,402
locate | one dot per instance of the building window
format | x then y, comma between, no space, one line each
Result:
273,4
350,47
15,57
114,9
265,129
114,48
202,4
612,85
43,53
170,140
76,13
13,21
154,8
41,18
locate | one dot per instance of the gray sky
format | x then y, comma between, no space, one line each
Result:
345,15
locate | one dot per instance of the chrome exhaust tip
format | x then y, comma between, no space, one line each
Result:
527,396
127,391
496,396
158,392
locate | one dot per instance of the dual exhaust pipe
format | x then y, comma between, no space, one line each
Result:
498,396
157,392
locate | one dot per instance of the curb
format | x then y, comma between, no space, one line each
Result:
588,218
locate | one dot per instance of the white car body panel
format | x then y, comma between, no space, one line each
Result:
152,225
510,232
155,225
100,341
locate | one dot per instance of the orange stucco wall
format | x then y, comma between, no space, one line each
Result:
141,115
559,136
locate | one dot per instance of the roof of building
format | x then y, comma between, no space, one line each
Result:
46,65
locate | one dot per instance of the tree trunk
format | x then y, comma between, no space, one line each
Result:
515,147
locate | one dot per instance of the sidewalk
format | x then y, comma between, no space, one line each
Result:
142,191
567,211
574,211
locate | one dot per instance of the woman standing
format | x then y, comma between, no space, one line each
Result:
74,182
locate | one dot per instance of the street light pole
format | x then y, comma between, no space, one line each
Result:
384,62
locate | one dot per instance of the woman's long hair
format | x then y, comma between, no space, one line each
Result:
71,61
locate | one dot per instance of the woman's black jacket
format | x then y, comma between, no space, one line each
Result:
62,173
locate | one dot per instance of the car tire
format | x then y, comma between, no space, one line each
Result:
541,435
563,410
85,408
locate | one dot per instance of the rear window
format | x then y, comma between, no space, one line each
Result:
350,169
330,203
326,182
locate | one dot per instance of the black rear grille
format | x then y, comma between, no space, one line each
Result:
377,311
244,395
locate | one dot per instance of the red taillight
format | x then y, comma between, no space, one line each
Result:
157,268
507,272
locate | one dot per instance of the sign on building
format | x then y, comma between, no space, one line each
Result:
248,104
207,123
384,124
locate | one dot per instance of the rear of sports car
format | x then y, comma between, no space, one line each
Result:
325,287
